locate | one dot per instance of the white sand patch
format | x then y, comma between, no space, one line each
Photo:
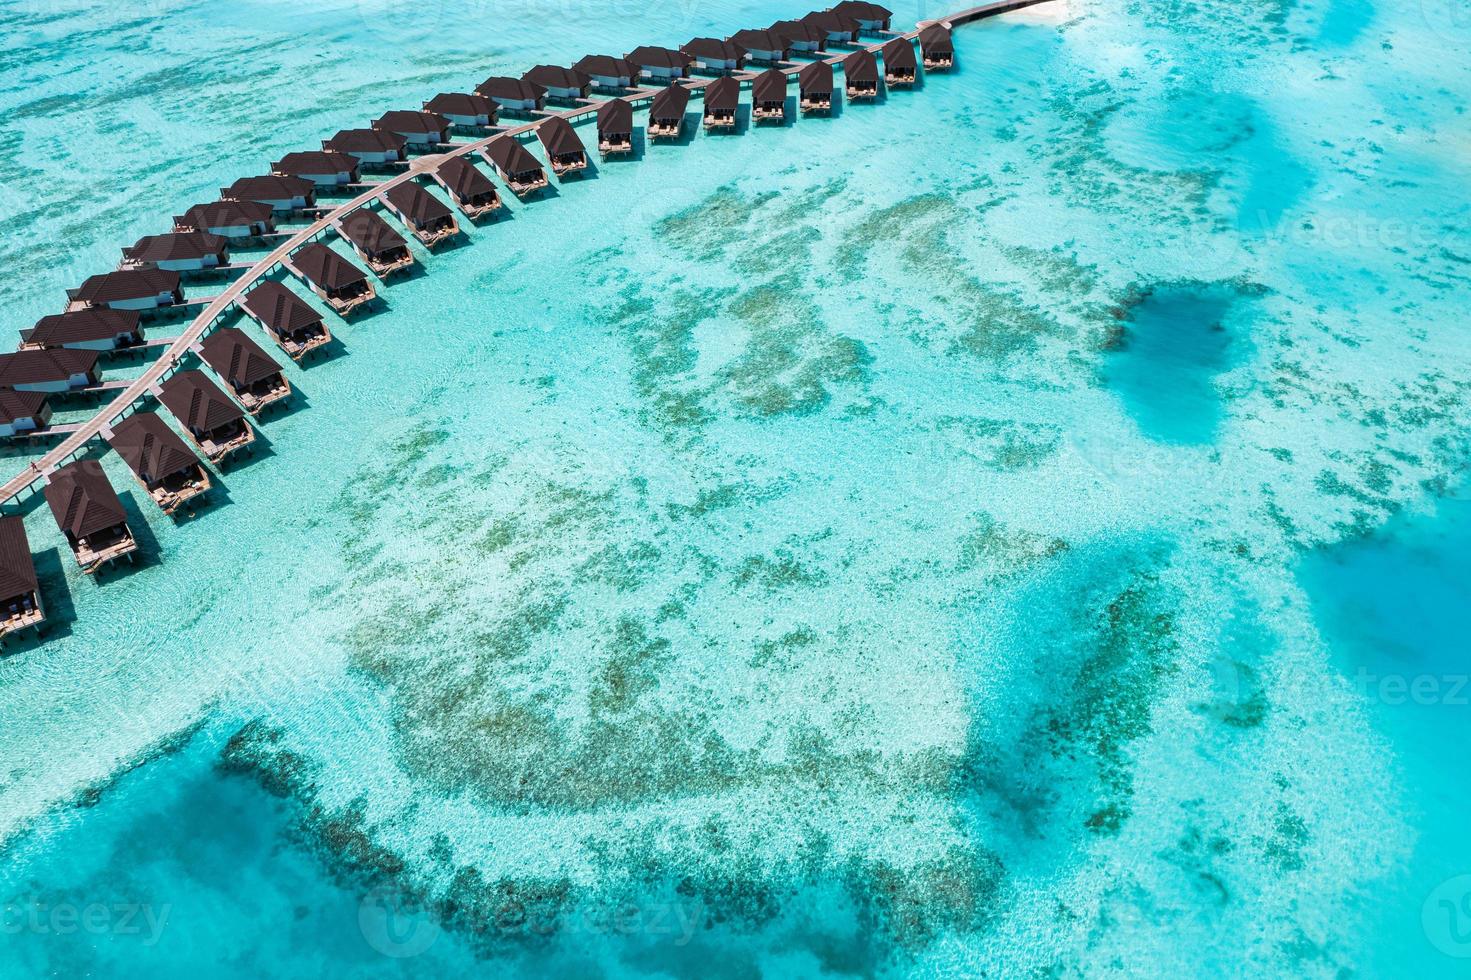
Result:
1051,12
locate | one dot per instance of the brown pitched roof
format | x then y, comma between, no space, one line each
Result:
271,187
461,104
831,21
17,567
670,103
769,39
150,448
315,162
615,116
714,49
936,39
365,141
607,66
862,10
724,94
225,214
557,135
503,88
799,30
861,66
177,245
510,156
21,405
816,77
127,284
81,326
464,179
33,366
649,56
326,268
82,501
899,53
237,358
369,232
769,86
198,402
279,308
405,121
417,204
555,76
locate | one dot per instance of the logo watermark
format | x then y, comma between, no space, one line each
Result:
395,924
34,917
1452,690
1446,917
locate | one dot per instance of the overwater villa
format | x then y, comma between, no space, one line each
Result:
250,372
520,170
861,75
660,64
937,47
375,241
98,329
711,54
769,45
608,72
143,290
472,191
513,94
343,285
23,412
871,17
900,64
325,168
565,151
769,96
89,514
563,84
615,128
815,85
836,28
283,194
376,147
215,423
429,218
464,110
54,370
801,37
235,220
179,251
722,99
161,462
420,130
666,113
286,318
20,594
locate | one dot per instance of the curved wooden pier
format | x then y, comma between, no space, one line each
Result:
145,385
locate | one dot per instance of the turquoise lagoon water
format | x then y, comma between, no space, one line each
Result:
952,537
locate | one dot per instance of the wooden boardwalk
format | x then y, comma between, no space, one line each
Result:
147,383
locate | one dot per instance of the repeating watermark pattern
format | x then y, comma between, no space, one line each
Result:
397,925
1451,690
1448,18
33,917
1446,917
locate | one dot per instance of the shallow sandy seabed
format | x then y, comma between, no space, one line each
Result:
870,545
